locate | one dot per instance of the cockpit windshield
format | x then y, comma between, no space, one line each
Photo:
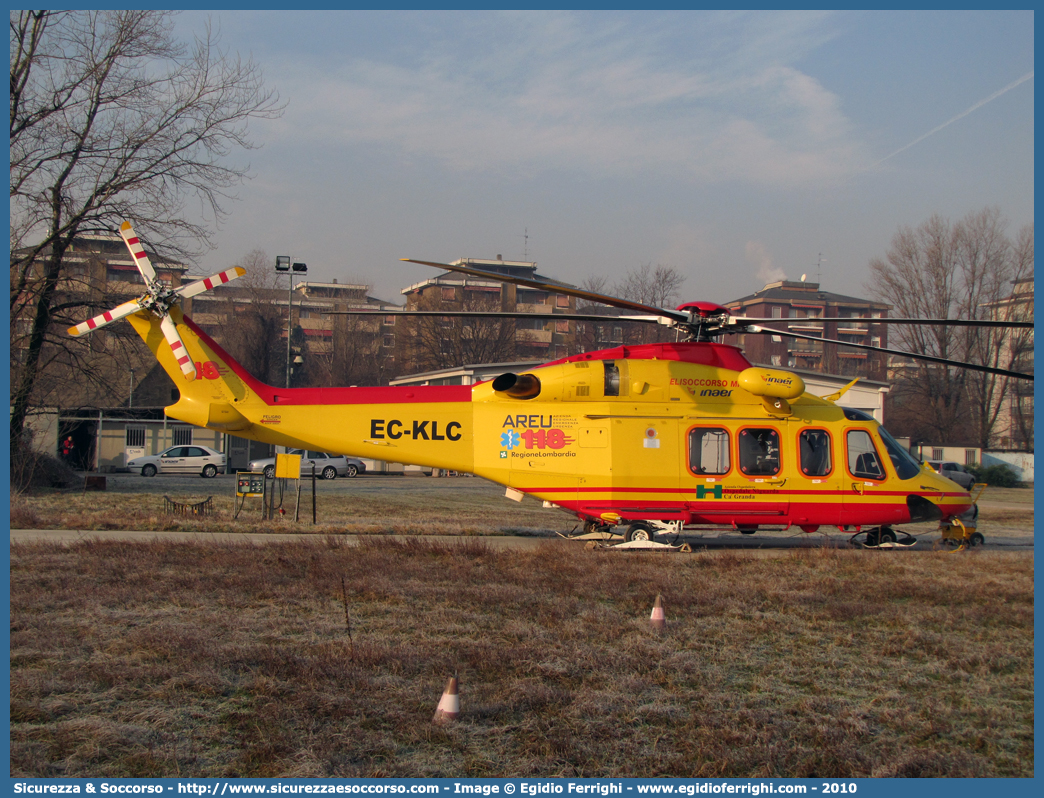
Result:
905,464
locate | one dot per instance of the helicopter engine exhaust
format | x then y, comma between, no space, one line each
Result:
517,386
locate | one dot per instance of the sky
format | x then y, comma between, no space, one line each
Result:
737,147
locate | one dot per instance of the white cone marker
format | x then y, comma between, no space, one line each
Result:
658,620
449,704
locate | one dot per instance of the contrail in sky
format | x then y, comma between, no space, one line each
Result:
961,115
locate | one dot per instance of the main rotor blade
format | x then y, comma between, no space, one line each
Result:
484,314
938,322
170,332
579,293
930,358
109,316
137,251
207,283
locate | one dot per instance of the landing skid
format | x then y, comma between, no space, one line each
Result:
638,545
883,537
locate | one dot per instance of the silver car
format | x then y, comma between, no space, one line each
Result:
953,471
326,465
193,459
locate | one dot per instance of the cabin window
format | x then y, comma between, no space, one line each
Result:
709,451
612,378
814,446
759,451
863,460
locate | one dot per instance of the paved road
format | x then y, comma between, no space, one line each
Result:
761,541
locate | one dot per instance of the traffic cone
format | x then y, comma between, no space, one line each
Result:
658,620
449,704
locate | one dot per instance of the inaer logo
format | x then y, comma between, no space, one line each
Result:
420,430
703,490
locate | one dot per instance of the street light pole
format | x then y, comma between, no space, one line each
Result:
283,264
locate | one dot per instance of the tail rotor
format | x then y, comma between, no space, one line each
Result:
157,299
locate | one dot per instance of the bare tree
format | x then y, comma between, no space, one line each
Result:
652,286
949,271
112,118
434,342
657,286
252,321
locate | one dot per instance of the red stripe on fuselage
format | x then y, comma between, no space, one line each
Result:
280,397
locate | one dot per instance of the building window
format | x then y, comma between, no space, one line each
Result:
777,360
449,294
777,313
389,341
562,327
180,435
389,321
562,301
969,457
135,437
938,454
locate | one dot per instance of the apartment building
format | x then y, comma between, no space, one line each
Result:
800,308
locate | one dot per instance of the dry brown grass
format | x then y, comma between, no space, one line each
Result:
179,659
372,506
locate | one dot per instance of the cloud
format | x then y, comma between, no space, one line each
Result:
704,97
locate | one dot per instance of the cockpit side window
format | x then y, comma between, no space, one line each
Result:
863,460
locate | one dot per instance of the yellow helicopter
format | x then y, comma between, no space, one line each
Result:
638,438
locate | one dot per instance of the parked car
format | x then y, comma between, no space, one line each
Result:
327,466
954,471
194,459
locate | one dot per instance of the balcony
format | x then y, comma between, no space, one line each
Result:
853,328
533,336
806,326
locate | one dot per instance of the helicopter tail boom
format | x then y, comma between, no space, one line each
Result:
428,426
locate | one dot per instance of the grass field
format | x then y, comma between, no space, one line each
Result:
320,659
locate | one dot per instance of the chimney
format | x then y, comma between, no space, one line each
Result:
499,257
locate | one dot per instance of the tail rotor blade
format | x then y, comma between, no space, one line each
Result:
207,283
137,251
107,317
170,332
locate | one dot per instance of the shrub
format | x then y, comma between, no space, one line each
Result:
31,469
998,475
